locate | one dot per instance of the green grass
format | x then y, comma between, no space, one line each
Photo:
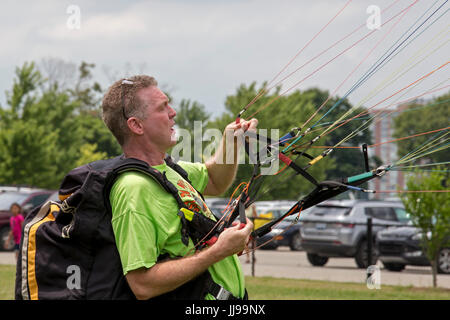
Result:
266,288
7,281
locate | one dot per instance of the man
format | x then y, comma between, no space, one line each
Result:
145,221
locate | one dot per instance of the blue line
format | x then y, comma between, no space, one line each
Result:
374,67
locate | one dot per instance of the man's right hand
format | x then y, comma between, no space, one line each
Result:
168,275
233,240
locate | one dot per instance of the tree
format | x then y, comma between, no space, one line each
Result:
430,212
64,77
188,114
348,161
89,153
284,113
44,127
419,118
27,155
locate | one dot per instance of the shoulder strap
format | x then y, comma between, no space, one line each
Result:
130,164
171,163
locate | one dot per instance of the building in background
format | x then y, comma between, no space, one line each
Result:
382,130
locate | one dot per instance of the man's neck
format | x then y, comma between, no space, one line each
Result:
152,156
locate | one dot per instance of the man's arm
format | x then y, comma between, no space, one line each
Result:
222,167
169,275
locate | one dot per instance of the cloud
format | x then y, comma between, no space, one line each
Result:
203,49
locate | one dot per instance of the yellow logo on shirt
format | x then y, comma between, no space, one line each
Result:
192,199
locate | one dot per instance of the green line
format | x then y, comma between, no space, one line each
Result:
359,177
424,165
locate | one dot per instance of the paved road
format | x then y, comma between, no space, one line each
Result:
7,258
283,263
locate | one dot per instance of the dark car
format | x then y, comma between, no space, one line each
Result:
286,233
399,247
28,198
217,205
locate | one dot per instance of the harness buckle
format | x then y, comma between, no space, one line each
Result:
223,294
381,171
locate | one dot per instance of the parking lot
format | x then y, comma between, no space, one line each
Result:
284,263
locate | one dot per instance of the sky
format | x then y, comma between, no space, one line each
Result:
204,50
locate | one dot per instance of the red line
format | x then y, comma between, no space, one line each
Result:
411,191
408,137
262,91
380,143
395,93
325,64
354,69
284,158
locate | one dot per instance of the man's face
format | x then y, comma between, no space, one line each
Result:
159,124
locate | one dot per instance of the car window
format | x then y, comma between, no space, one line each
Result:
277,213
402,215
38,199
330,211
54,196
8,198
383,213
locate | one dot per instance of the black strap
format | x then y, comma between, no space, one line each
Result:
175,166
219,292
297,169
301,153
366,157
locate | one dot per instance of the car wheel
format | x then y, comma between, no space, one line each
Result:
394,266
444,261
316,260
4,246
296,242
269,246
361,257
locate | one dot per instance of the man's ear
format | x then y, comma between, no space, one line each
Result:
135,126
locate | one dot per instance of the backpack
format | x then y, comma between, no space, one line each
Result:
68,248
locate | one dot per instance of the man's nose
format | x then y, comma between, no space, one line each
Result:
172,112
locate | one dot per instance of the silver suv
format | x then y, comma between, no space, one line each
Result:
338,228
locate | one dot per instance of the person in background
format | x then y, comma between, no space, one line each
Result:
16,222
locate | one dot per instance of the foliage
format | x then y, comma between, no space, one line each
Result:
348,161
430,212
418,118
46,131
190,114
284,113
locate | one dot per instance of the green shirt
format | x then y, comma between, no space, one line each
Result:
146,224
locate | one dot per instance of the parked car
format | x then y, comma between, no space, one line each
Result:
286,233
217,205
27,198
338,228
402,246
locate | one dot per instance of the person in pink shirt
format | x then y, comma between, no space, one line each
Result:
16,222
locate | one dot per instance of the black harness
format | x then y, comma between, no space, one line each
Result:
195,225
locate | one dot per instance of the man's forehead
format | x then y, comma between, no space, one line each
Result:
152,94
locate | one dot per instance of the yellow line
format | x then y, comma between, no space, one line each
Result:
32,282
